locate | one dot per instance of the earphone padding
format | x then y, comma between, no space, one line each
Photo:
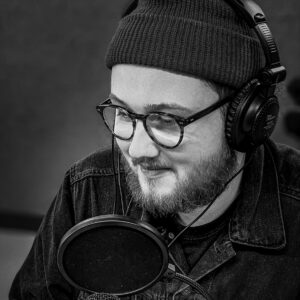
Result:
235,115
265,120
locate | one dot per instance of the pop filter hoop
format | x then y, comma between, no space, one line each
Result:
112,254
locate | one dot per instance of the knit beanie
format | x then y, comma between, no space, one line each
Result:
200,38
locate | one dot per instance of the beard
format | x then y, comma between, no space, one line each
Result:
203,183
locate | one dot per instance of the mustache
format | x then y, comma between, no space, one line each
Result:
149,163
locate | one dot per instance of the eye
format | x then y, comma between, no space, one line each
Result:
122,114
167,120
161,121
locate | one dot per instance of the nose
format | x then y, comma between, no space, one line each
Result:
141,144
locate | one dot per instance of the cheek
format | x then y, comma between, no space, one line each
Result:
199,143
123,145
207,136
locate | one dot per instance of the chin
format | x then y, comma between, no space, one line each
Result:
162,186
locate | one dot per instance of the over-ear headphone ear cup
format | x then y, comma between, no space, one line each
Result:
235,115
251,117
265,120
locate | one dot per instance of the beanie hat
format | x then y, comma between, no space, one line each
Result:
200,38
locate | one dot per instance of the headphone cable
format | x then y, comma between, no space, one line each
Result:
119,184
114,173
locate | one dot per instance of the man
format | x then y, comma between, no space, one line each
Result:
171,60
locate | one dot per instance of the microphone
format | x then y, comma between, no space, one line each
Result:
112,254
115,255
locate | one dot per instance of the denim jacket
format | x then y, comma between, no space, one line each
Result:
256,257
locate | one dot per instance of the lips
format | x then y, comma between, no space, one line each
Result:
154,171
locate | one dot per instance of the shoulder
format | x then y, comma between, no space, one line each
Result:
98,163
288,168
287,161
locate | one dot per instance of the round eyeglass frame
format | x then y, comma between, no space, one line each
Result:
182,122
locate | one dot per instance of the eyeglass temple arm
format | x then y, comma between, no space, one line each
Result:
207,110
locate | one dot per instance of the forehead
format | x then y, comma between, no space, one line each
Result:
139,86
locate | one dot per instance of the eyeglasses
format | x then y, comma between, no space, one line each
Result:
164,129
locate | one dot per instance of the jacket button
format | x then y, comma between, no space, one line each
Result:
171,235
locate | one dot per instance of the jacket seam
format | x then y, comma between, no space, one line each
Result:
89,173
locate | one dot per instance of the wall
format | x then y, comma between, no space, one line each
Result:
52,75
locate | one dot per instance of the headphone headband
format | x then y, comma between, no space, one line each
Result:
273,72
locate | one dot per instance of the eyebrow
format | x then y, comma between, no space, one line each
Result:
154,107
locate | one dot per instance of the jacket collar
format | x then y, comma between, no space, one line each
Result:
257,220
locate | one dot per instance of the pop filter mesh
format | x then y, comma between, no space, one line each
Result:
113,260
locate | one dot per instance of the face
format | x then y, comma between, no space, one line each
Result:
168,181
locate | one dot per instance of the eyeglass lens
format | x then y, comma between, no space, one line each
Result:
118,121
163,129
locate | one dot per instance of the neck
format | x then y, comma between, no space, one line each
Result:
220,205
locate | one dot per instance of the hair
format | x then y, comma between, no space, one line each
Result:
223,91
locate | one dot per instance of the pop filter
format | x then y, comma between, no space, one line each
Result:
112,254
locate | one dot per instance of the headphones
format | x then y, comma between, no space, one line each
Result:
252,114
